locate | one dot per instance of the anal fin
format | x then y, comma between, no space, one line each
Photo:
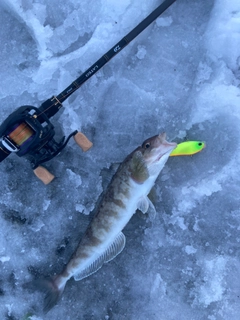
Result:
109,254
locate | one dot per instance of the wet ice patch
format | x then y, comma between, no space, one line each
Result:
141,53
213,287
226,20
4,258
80,208
46,204
192,195
115,7
164,22
204,73
74,177
34,20
159,287
215,98
190,250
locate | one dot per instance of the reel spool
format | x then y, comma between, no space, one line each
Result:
20,136
28,132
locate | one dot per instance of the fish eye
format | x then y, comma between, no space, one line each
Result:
147,145
200,143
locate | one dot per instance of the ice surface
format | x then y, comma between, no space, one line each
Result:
181,75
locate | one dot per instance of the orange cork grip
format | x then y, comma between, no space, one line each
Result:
43,174
82,141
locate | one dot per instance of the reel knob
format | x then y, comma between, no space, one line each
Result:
82,141
43,174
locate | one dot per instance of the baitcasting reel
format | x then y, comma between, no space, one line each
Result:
28,132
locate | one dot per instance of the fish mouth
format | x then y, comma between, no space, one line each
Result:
167,146
159,147
172,146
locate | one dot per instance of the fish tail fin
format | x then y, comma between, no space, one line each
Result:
53,289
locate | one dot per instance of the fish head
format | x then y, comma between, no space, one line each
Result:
148,159
156,150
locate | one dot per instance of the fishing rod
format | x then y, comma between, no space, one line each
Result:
51,106
28,131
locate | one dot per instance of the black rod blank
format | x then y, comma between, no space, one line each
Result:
51,106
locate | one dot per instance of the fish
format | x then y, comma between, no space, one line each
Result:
104,240
188,148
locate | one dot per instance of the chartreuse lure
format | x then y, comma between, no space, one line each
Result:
188,148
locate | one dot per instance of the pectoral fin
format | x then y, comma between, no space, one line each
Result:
112,251
146,205
143,204
151,210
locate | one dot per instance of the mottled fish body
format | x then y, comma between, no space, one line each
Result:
127,192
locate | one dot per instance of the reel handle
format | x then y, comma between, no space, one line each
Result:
43,174
82,141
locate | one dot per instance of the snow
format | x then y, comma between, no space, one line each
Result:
181,75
